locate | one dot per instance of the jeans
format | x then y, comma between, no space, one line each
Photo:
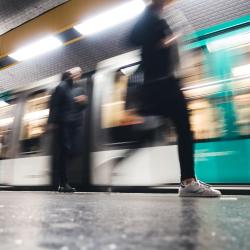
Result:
68,144
164,98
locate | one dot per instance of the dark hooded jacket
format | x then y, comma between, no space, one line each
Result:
63,108
148,32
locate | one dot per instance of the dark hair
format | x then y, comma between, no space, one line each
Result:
66,76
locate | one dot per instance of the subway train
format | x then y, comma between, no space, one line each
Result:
122,148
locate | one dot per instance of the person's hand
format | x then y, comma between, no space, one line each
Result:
81,99
169,40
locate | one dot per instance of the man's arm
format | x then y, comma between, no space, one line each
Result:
168,41
81,99
54,106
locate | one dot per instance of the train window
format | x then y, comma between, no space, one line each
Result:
193,67
241,87
114,112
34,122
220,105
218,112
205,119
242,105
123,124
7,113
243,113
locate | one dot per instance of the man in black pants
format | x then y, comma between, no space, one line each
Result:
162,93
66,106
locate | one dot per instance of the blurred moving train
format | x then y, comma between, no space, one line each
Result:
216,83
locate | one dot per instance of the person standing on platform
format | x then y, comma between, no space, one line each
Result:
66,119
161,93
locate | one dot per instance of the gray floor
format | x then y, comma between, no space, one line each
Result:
47,220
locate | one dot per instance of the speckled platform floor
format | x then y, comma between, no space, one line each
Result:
47,220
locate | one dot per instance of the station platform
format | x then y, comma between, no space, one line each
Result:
110,221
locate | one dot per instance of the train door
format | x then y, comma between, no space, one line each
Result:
79,169
26,146
8,110
219,105
119,154
32,162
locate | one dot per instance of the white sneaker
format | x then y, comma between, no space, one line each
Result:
198,189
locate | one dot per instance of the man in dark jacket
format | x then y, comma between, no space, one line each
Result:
65,119
162,93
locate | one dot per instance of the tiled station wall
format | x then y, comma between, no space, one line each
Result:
88,52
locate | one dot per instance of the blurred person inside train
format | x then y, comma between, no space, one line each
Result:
66,120
161,93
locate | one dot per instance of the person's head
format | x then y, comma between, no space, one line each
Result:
160,4
76,73
72,74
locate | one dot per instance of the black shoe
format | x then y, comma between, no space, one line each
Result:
66,189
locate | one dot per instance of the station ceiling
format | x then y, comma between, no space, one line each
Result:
14,13
57,19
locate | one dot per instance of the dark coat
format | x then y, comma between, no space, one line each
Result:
148,32
63,108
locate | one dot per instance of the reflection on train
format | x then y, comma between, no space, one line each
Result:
127,149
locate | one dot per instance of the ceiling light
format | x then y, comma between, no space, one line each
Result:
242,70
111,18
229,42
37,48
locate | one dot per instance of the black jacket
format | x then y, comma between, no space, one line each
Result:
63,108
148,32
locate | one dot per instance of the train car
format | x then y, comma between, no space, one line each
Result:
216,82
26,145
